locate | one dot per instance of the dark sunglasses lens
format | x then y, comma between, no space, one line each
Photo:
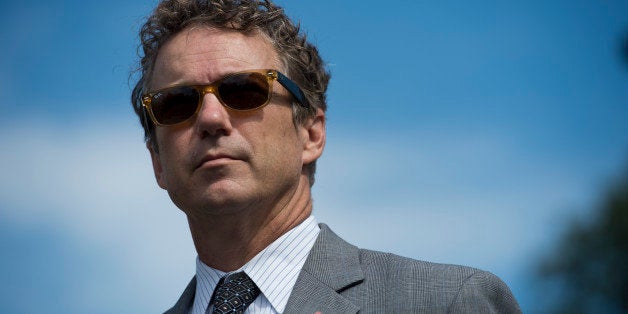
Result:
244,91
175,105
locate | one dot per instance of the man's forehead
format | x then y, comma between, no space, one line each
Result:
214,51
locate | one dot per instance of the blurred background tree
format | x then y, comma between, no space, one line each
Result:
624,48
589,266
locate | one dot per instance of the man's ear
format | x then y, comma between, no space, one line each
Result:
313,135
157,168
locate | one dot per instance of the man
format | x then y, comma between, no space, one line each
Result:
232,100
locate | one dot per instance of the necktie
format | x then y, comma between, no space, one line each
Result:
234,293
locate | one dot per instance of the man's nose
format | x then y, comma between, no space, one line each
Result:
213,119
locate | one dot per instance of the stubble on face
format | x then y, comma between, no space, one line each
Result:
221,161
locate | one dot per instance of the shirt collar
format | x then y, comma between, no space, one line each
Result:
274,270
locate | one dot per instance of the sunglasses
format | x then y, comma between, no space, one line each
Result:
241,91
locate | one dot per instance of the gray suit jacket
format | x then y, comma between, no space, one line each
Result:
340,278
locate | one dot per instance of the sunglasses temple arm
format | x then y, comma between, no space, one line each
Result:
145,116
293,88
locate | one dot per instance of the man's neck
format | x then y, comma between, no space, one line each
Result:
227,242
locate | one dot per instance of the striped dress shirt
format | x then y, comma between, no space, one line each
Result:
274,270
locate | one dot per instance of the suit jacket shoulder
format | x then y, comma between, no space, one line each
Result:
340,278
337,277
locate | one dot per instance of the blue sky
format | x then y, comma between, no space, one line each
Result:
458,132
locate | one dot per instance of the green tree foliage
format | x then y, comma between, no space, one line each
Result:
590,264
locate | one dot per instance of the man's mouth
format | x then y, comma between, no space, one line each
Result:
213,160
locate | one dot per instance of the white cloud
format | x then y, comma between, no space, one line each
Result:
94,182
459,198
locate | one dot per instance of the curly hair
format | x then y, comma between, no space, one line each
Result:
299,57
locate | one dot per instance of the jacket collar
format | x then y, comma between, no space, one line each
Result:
332,266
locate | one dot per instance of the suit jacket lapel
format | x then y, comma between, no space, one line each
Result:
332,266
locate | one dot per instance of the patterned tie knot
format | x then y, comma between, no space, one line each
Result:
234,294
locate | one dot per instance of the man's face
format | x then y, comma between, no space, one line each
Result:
222,161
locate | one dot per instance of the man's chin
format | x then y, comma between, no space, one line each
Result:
221,196
219,204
